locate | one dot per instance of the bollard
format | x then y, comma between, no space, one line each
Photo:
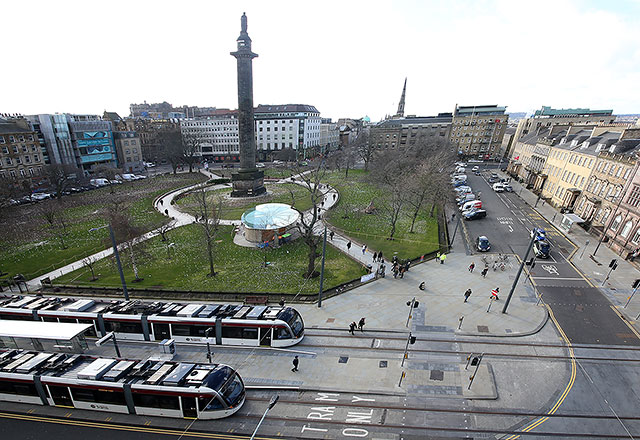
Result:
401,377
490,302
460,322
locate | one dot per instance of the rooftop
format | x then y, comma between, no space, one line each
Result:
293,108
548,111
479,109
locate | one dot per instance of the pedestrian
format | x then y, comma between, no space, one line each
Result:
166,212
484,272
394,260
407,265
380,256
334,196
361,324
281,303
443,257
494,294
472,266
375,256
160,202
364,249
401,271
296,361
349,246
394,269
467,294
437,257
453,216
352,327
331,235
382,269
422,286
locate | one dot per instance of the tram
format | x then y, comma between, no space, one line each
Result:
274,326
146,387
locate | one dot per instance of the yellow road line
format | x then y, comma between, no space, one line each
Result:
635,332
564,394
86,424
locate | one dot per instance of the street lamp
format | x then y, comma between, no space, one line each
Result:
272,403
115,252
207,332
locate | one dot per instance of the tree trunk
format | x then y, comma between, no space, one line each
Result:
190,167
133,261
413,219
62,243
312,259
212,272
93,274
393,230
433,207
346,171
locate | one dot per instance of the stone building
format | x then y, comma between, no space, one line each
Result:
477,131
20,156
329,135
129,151
402,132
147,131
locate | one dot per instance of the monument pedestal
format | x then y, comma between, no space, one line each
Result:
248,183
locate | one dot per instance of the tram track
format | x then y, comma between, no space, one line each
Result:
463,353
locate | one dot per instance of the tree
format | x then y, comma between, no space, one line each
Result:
163,229
286,154
90,263
310,178
108,172
364,148
53,212
346,158
207,214
390,175
191,148
127,232
170,142
428,185
60,177
10,189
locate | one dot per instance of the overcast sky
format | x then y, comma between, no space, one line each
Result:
347,58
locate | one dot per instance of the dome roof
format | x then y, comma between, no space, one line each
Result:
270,216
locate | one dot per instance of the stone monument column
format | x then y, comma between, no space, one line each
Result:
248,181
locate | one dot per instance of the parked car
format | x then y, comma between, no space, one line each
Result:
40,196
538,233
507,187
474,214
541,248
98,182
472,204
259,165
482,243
466,198
475,168
463,189
498,187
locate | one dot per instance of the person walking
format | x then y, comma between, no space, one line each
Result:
364,249
375,257
394,269
331,235
334,197
467,294
422,286
352,327
349,246
443,257
407,265
484,271
382,269
401,270
494,294
437,257
296,362
472,266
380,256
361,324
160,202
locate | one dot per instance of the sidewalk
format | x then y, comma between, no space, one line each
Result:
618,287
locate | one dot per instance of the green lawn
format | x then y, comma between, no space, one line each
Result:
234,208
278,173
239,269
373,229
30,248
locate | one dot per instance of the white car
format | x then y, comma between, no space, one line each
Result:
476,168
498,187
40,196
259,165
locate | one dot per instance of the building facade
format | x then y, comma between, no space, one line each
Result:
477,131
129,151
404,132
148,131
329,135
93,144
218,136
21,159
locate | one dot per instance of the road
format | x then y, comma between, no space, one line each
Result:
583,312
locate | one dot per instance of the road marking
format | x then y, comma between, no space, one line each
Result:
564,394
510,228
557,278
635,332
551,269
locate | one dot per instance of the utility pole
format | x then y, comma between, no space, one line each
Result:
412,304
515,282
272,403
324,250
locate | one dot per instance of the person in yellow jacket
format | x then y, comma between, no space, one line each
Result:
443,257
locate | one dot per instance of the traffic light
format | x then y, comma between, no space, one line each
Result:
415,304
412,340
613,263
636,284
475,361
532,262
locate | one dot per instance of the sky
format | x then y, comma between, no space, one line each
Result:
347,58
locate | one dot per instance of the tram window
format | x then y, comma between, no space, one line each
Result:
231,332
234,390
188,330
123,327
16,317
49,319
209,404
108,396
69,320
91,331
24,389
250,333
282,333
154,401
82,394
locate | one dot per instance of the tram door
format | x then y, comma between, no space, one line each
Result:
265,336
161,331
60,396
189,407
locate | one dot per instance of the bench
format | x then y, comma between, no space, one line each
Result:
256,300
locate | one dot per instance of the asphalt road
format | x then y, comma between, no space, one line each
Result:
584,313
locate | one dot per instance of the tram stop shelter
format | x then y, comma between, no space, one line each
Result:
43,336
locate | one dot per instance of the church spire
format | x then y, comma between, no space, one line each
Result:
401,105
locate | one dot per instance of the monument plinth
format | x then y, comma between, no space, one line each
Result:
248,181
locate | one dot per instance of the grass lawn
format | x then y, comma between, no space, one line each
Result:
239,269
30,248
278,173
373,229
234,208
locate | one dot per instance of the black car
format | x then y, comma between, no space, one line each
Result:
482,244
474,214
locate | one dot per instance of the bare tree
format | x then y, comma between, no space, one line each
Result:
191,148
207,214
163,229
170,142
390,175
60,177
53,212
346,158
110,173
428,185
10,189
127,233
365,149
90,263
310,178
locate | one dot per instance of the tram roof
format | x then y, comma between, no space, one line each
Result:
41,330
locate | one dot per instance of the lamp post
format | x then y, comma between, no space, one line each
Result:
117,255
272,403
207,332
613,217
324,249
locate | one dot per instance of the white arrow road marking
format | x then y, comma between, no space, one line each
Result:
510,228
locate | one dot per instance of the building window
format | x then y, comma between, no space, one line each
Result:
5,150
634,197
626,229
636,237
1,139
616,222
